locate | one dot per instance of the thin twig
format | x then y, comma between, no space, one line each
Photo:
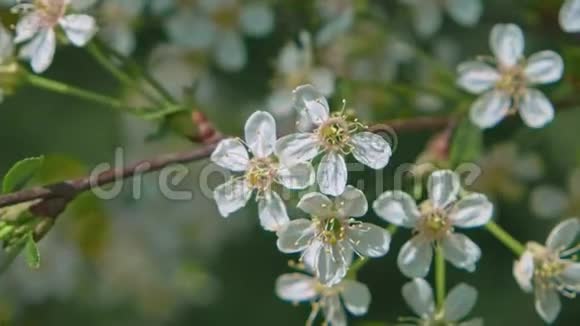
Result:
71,188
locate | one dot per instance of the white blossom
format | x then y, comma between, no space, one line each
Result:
335,136
261,172
459,302
508,86
329,238
297,287
428,15
551,269
218,26
117,18
433,223
295,66
37,26
570,16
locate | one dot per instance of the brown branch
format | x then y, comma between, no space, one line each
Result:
69,189
56,196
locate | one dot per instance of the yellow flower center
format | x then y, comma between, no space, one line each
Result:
331,230
335,134
434,222
261,173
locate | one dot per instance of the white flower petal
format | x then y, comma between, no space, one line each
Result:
460,251
356,297
295,236
298,176
351,203
332,174
489,109
536,110
544,67
316,204
398,208
418,294
471,211
570,16
371,149
548,201
257,19
564,234
27,27
507,44
415,257
310,255
333,312
191,30
231,196
523,271
309,99
443,187
296,287
40,50
459,302
465,12
231,154
323,80
230,51
369,240
547,304
260,133
332,263
477,77
295,148
272,212
571,275
79,29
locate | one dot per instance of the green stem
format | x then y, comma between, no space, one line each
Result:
143,73
61,88
95,50
58,87
504,237
440,277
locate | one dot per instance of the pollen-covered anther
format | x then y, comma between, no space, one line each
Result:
261,173
435,223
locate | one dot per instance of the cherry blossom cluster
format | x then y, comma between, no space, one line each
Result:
332,235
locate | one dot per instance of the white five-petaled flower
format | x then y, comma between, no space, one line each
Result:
551,269
329,238
261,172
336,136
433,222
459,302
428,15
36,27
570,16
507,87
297,287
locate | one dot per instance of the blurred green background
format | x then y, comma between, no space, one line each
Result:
156,262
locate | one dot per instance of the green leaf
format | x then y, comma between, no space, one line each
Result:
32,253
467,143
21,173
